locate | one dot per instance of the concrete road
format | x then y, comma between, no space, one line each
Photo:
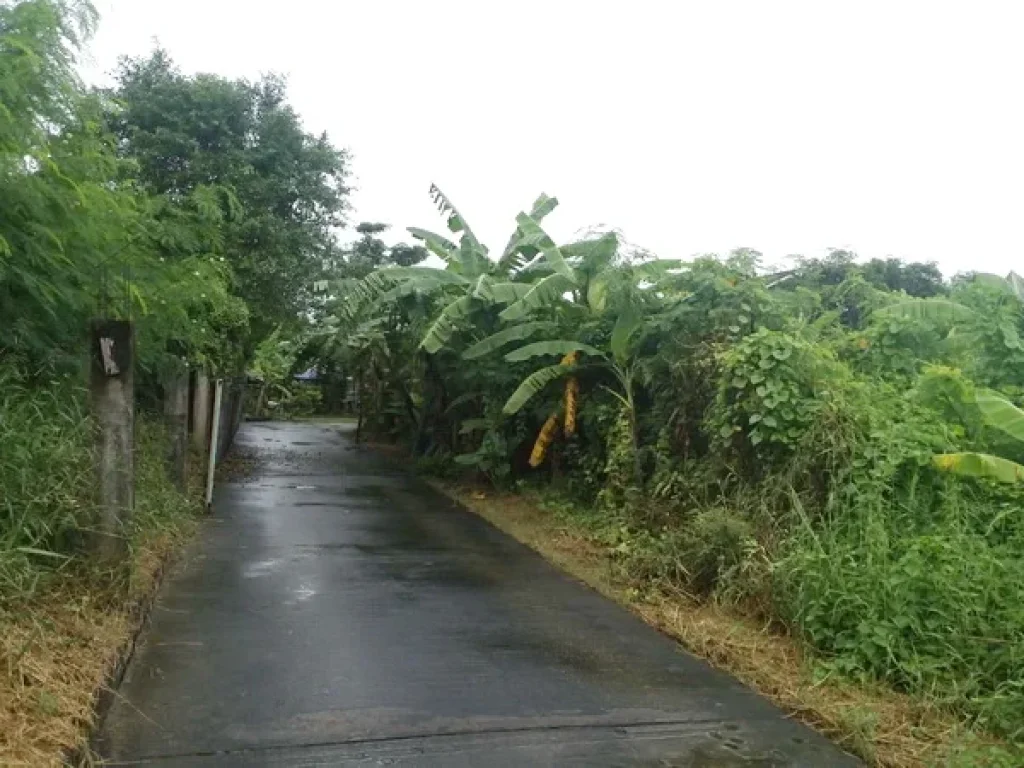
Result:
336,611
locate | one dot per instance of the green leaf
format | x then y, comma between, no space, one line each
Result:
517,253
545,291
482,288
597,293
430,273
472,425
982,465
939,311
506,293
501,338
656,269
436,244
426,281
533,384
537,237
1001,414
627,324
592,255
441,330
456,222
992,281
1011,339
555,347
542,206
41,553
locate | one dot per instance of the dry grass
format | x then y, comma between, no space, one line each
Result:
60,651
881,726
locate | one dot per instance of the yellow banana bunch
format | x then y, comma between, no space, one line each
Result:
547,433
572,391
544,438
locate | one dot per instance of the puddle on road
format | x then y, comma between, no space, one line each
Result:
261,568
301,594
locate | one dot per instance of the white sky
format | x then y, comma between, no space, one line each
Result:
892,128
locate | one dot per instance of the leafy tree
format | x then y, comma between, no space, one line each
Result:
60,219
915,279
281,190
369,252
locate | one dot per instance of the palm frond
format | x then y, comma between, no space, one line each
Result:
940,311
437,244
442,329
553,347
546,291
534,236
980,465
533,384
1001,414
501,338
517,255
456,222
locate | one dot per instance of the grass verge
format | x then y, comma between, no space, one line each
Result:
881,726
63,646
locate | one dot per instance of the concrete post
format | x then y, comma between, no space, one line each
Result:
176,416
112,394
211,468
201,412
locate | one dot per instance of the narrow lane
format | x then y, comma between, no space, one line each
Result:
335,610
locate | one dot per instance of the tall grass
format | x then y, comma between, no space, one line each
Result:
47,485
48,481
925,593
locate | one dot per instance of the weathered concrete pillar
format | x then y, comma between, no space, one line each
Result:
201,412
112,393
211,466
176,416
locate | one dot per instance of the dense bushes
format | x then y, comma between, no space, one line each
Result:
766,439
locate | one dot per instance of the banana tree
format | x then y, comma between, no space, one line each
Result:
469,280
619,361
1001,414
987,335
951,312
578,289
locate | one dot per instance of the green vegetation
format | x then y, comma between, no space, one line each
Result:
835,449
195,205
821,448
199,208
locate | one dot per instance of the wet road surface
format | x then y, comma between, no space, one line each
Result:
337,611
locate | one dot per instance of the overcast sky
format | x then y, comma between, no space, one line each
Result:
892,128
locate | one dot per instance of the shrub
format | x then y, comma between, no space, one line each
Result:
771,389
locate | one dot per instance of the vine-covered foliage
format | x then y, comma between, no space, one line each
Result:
820,446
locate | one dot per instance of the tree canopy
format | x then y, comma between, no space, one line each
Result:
281,191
